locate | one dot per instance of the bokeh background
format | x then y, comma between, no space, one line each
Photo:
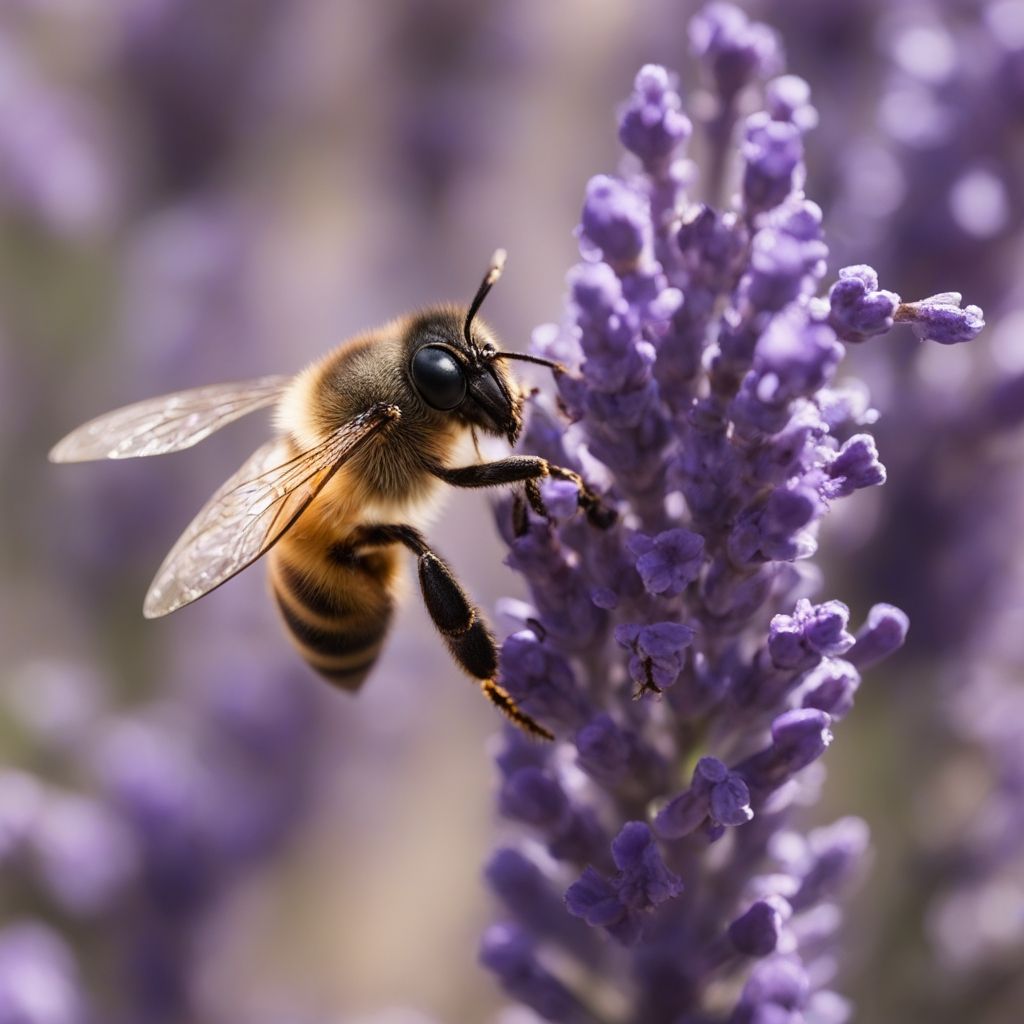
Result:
192,828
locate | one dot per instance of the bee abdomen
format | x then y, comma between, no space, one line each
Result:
339,623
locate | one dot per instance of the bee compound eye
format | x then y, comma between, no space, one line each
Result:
438,377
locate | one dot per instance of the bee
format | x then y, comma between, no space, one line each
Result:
364,441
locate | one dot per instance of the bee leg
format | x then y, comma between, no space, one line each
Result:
460,623
528,470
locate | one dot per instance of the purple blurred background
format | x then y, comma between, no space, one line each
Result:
194,828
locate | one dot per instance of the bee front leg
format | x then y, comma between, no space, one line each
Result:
458,620
528,470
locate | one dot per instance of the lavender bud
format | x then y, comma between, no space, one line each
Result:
881,635
772,152
715,792
21,799
620,903
653,126
780,264
644,881
798,738
658,651
940,318
857,308
833,854
831,687
776,530
775,991
85,856
617,757
535,797
604,749
560,497
592,898
39,980
668,562
799,641
615,221
756,932
528,894
856,465
729,802
542,682
788,98
508,952
735,50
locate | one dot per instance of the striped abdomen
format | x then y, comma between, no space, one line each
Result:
336,605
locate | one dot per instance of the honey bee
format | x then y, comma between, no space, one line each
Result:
364,441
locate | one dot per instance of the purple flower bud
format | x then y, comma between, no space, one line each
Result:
940,318
881,635
560,497
856,465
653,126
615,219
798,738
776,531
593,898
788,98
658,651
857,308
619,904
715,792
596,291
779,266
837,850
712,242
831,687
669,561
156,787
776,989
729,802
22,797
735,50
529,895
793,359
542,681
510,954
756,931
617,757
644,881
772,152
533,796
801,358
85,855
604,749
799,641
39,980
562,599
536,797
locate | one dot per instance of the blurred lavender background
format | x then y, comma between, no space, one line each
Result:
192,828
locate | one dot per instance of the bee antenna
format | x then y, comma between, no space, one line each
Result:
493,273
538,360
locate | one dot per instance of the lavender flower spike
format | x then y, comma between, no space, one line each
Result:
682,656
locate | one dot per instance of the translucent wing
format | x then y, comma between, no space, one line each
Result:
253,510
168,423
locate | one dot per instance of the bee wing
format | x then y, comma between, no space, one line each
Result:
168,423
252,510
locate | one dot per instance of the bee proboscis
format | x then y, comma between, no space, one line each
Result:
364,438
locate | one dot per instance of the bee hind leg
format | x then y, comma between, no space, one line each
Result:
460,623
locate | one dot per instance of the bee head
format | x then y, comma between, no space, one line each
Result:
464,373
